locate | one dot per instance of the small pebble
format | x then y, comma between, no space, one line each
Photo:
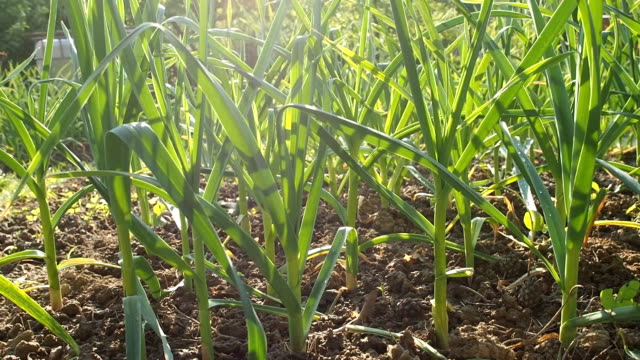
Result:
397,352
24,348
50,340
596,340
72,309
24,336
15,330
56,354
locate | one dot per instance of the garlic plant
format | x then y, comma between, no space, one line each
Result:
173,105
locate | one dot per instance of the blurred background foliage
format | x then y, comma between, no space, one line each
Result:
21,21
17,20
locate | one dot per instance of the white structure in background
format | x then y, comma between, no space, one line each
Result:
60,59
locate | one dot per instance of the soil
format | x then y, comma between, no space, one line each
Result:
488,318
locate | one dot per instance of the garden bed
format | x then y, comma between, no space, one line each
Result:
489,319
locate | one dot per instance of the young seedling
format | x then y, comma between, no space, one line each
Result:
626,296
533,221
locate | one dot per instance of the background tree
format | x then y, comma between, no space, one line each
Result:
18,18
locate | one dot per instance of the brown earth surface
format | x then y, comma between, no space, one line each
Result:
489,320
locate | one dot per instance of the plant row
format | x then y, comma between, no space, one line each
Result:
302,105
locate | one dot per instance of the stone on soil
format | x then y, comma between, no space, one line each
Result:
24,348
